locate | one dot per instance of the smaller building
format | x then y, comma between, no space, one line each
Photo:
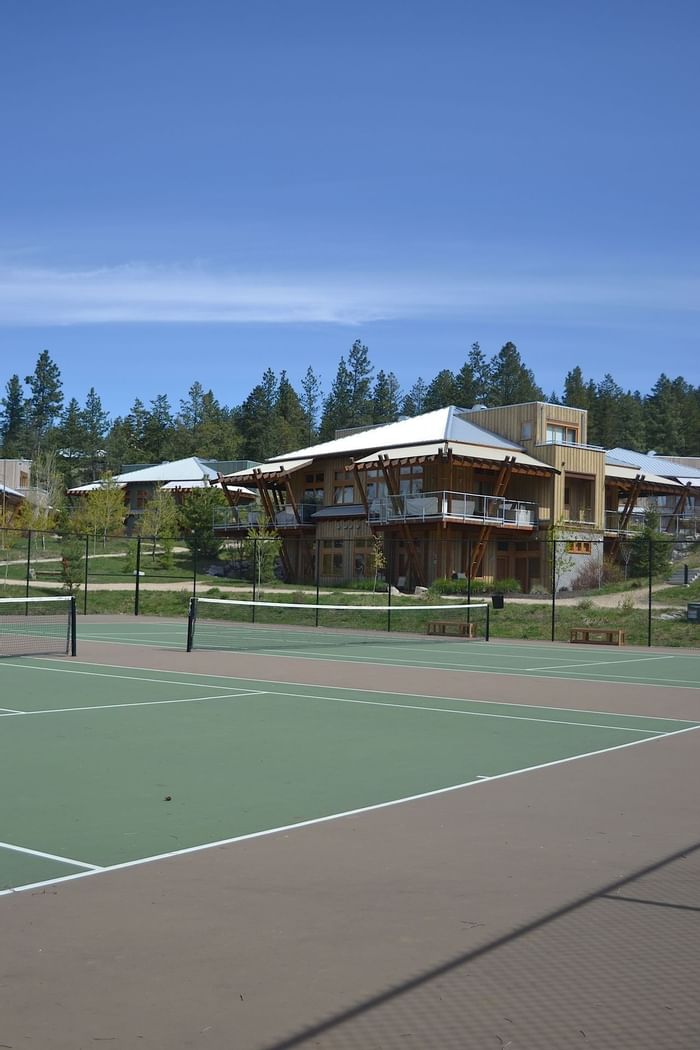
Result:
178,476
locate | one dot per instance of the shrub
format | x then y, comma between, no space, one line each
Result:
444,586
593,574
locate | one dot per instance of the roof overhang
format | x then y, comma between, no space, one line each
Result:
479,454
626,477
266,472
82,490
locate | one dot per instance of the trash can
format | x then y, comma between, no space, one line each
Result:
694,612
497,601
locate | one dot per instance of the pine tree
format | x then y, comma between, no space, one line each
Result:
70,436
256,419
511,382
385,398
664,423
46,399
158,430
414,401
95,423
311,402
576,390
605,413
441,392
290,418
361,374
337,408
12,419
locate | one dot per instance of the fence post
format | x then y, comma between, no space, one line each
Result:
554,585
255,574
388,599
651,545
138,576
29,562
194,570
318,577
85,578
469,584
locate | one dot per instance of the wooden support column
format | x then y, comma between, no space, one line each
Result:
504,476
626,514
392,485
679,507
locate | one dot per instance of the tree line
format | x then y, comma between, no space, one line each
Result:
275,417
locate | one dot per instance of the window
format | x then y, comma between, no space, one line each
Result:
558,434
578,547
140,499
526,431
411,480
343,491
332,558
376,485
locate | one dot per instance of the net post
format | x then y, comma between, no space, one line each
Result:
487,629
73,623
190,623
255,576
388,601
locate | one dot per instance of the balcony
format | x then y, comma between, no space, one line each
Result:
252,515
468,507
579,516
684,526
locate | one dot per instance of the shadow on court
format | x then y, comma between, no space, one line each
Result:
609,962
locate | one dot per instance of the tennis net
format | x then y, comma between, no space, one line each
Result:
243,625
32,626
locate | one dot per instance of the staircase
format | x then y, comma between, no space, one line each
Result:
678,577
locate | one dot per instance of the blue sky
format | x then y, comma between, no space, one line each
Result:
200,191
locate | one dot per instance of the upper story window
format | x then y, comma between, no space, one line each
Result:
558,434
411,479
343,491
526,430
140,499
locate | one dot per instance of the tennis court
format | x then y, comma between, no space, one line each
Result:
314,837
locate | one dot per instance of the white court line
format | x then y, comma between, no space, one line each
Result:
597,663
475,714
299,654
244,694
483,646
10,711
125,677
338,816
150,703
359,689
50,856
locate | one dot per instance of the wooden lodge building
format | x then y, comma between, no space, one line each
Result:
466,491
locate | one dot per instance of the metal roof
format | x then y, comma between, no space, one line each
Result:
617,473
444,424
651,464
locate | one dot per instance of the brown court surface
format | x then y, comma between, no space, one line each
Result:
556,908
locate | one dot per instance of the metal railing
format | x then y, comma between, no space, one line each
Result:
686,526
458,506
251,515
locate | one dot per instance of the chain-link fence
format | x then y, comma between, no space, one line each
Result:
643,589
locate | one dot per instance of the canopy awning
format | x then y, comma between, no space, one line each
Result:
486,454
626,476
267,472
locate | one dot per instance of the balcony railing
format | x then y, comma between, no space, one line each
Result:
685,526
251,515
456,506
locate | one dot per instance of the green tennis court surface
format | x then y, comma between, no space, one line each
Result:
106,766
541,659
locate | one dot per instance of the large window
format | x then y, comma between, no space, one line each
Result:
411,480
558,434
313,489
332,558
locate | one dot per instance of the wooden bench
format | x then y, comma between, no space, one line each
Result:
458,627
598,635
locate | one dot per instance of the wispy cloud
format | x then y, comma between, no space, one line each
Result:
138,293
